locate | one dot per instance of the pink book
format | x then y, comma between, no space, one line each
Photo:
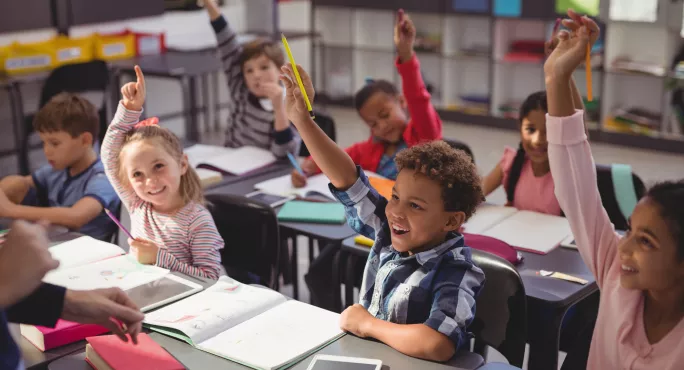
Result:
108,352
65,332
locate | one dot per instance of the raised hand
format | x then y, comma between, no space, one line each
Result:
274,92
134,92
571,48
404,36
295,105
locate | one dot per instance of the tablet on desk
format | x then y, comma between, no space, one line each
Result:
166,290
270,199
329,362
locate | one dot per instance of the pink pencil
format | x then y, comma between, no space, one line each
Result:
111,215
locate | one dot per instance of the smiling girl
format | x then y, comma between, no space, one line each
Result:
162,193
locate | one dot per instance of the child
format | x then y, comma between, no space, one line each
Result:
384,110
257,117
72,190
420,283
162,193
525,173
639,325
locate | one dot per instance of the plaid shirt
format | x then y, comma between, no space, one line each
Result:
436,287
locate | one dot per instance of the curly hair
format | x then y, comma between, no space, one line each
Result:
453,169
669,196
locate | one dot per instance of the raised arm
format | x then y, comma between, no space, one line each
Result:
425,122
572,165
228,46
330,158
127,115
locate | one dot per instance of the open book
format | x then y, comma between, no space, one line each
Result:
87,263
525,230
253,326
315,185
235,161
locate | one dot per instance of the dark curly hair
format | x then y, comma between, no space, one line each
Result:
453,169
371,88
669,196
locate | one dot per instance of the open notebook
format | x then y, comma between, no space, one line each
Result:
315,185
525,230
253,326
87,263
236,161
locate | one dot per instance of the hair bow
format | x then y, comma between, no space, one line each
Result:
153,121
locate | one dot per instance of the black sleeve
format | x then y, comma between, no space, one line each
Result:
42,307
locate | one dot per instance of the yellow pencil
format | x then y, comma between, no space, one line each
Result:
299,79
590,95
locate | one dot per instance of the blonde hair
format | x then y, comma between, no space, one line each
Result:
190,185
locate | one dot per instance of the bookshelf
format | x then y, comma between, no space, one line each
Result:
465,50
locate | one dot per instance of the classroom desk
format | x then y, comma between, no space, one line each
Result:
185,67
35,359
348,345
548,298
290,230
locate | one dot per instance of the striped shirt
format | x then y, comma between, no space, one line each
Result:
436,287
249,122
188,240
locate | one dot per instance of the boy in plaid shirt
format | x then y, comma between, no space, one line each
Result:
420,283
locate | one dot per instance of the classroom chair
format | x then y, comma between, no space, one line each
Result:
327,124
456,144
74,78
501,314
250,231
620,189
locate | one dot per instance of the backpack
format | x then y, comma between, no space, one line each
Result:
493,246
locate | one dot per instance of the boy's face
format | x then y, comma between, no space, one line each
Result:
386,116
62,150
649,253
416,213
258,71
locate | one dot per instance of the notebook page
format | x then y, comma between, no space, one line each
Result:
121,272
289,332
242,160
532,231
486,216
283,186
217,309
82,251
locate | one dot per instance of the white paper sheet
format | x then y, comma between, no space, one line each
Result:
82,251
532,231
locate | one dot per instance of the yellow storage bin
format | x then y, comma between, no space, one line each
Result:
115,46
27,58
4,51
68,50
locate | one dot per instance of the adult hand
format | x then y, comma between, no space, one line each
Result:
134,92
24,261
144,251
110,308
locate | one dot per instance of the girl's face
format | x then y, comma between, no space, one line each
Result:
386,116
154,173
648,252
533,136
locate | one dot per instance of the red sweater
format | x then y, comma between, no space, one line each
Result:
424,124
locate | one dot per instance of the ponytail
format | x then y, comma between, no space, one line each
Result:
514,174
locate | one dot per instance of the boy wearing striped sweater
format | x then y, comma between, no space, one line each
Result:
257,117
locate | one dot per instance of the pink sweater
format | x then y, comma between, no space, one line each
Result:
619,337
531,193
188,240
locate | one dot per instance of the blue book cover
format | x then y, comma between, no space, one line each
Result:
508,8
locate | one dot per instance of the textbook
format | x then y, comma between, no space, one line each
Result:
317,184
234,161
253,326
110,353
524,230
64,332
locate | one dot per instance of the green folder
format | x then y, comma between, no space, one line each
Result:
313,212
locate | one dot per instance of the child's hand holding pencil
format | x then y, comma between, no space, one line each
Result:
571,49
